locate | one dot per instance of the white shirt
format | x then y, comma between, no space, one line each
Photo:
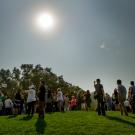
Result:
31,95
59,96
8,103
126,103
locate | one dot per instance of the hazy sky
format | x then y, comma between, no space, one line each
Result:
91,39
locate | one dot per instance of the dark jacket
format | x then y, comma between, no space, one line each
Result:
41,94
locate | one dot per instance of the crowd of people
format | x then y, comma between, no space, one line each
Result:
44,100
120,100
30,101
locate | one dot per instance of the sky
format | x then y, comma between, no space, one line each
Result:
91,39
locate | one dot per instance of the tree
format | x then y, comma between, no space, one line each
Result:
19,79
16,74
26,75
5,75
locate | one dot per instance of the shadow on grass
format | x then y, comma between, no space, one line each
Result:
132,117
40,126
26,118
12,116
120,120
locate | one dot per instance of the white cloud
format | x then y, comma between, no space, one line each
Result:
102,45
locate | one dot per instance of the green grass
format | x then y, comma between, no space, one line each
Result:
69,123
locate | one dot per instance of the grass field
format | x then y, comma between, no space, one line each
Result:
69,123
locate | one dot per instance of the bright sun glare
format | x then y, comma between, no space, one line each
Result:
45,21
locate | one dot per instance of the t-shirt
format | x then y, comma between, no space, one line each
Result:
54,98
31,95
73,102
83,99
122,92
99,89
8,103
66,99
59,96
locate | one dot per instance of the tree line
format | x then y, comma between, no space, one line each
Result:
19,79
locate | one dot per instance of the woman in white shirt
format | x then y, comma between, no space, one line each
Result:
31,99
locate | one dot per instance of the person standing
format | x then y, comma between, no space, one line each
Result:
54,98
41,102
122,97
18,103
132,95
116,99
8,106
66,105
88,100
31,99
49,101
100,97
73,103
60,99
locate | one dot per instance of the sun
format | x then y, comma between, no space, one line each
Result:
45,21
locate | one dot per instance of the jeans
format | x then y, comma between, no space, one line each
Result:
101,105
31,107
